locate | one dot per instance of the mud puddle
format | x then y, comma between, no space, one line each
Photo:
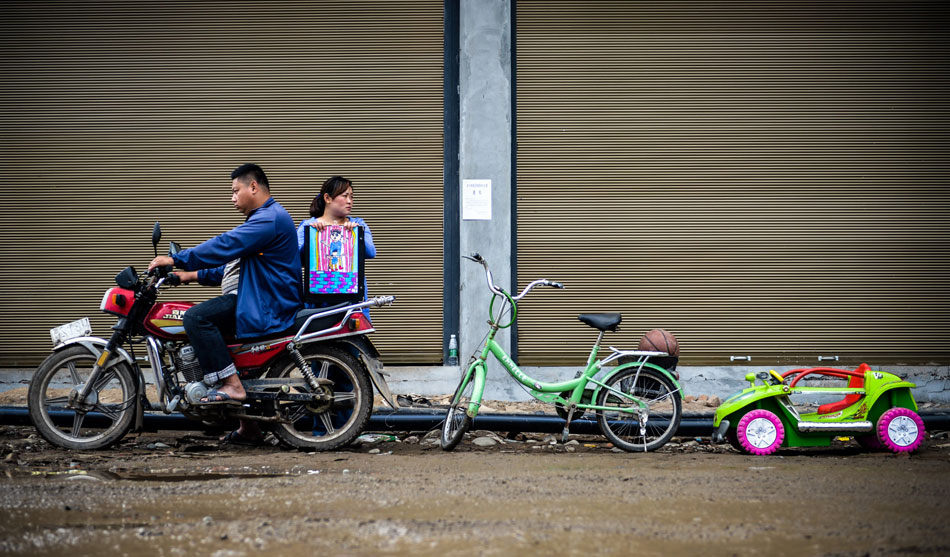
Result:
515,496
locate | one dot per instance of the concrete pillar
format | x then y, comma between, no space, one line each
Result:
485,114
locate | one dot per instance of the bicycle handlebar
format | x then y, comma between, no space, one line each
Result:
500,291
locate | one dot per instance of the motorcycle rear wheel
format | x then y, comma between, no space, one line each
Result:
324,428
99,421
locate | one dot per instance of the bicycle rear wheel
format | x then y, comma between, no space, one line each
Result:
656,406
457,420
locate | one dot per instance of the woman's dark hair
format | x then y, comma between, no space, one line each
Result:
333,187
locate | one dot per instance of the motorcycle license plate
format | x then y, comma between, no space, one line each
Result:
78,328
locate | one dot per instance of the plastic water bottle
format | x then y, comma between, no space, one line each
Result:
453,351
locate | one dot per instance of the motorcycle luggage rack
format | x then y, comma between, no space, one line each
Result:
301,338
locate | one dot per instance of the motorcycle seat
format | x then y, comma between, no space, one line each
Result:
299,319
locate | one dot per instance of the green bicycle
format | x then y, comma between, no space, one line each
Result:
638,405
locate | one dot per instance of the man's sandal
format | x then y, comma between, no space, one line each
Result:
235,438
217,398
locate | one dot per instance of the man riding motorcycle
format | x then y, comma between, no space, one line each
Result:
268,295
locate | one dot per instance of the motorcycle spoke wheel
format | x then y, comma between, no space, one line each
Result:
102,419
330,425
457,420
645,410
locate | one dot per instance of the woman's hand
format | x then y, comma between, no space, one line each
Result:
187,276
348,225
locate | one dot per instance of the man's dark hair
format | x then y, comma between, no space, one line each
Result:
250,171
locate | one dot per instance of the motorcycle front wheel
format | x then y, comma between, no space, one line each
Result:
99,420
333,424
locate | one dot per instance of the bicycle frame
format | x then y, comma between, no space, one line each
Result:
638,404
551,392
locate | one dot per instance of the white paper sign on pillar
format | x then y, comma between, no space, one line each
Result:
476,199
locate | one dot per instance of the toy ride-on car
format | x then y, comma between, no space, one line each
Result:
878,409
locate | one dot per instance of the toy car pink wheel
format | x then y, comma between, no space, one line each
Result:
900,430
760,432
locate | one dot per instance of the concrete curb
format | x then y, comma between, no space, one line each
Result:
933,382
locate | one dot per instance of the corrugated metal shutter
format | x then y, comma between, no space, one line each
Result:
118,114
761,178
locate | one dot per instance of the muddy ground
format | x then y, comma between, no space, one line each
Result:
183,493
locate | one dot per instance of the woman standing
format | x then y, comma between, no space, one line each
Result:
332,207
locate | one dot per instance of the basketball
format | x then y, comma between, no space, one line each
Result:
659,340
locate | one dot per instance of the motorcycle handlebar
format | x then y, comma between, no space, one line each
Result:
160,272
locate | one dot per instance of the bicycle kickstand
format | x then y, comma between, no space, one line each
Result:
567,425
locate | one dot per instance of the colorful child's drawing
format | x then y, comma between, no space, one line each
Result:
333,261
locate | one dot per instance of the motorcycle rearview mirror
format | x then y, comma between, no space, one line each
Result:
156,237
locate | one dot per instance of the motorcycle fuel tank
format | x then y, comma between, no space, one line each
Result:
165,320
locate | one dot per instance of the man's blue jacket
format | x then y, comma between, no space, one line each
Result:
269,289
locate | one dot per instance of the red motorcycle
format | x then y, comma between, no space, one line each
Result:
312,386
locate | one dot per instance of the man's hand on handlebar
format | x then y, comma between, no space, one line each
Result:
163,263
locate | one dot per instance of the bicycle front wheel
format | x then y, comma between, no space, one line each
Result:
645,409
457,420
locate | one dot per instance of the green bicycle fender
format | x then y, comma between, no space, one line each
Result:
626,366
478,372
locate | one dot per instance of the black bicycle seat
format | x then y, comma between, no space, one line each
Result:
602,321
